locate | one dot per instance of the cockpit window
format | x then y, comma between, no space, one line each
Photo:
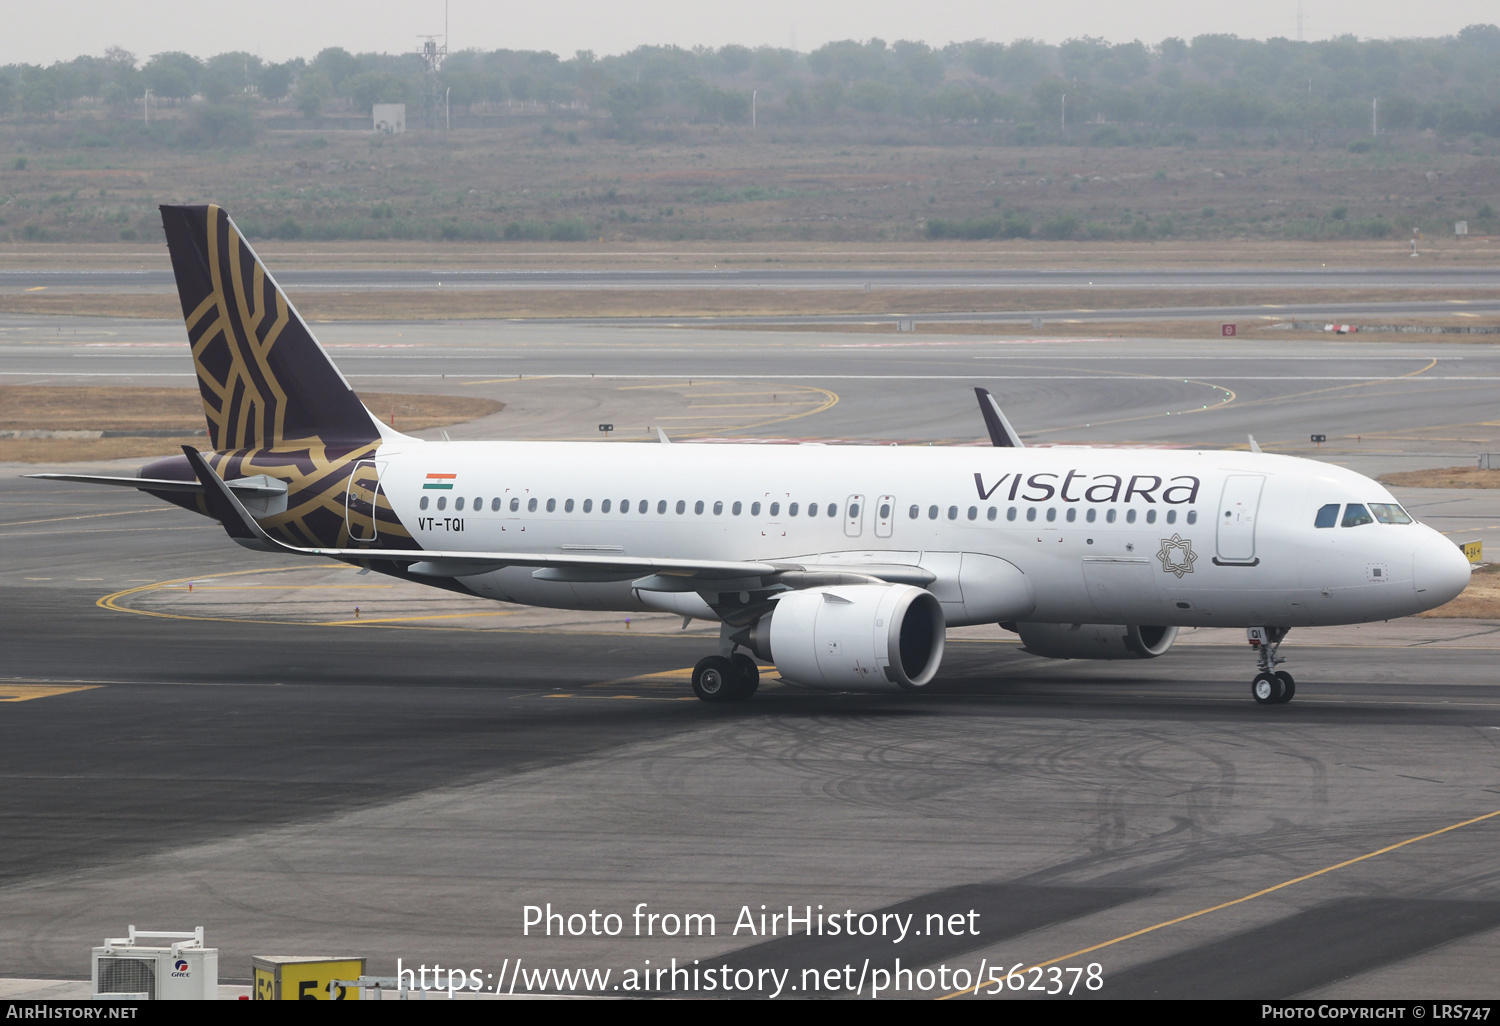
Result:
1389,513
1328,516
1356,515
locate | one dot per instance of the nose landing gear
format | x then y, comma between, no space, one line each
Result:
1270,686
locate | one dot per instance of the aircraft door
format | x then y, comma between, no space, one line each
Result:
1236,515
854,516
361,500
885,515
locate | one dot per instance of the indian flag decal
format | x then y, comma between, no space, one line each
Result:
440,482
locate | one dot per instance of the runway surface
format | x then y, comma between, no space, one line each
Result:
749,278
405,789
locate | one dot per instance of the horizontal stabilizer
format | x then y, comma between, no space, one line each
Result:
1002,435
258,487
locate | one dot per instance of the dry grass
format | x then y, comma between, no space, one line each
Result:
1480,600
713,192
1444,477
164,409
479,304
1472,251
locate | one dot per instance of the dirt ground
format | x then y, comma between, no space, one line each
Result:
24,408
1444,477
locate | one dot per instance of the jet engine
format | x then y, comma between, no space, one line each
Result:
852,635
1093,640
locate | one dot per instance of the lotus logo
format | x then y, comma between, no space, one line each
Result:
1177,555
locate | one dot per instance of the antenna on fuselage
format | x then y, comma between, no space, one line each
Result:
1254,445
1002,435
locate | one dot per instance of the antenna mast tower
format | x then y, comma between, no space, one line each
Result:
432,56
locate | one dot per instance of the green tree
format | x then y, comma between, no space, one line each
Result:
275,81
172,75
313,91
336,64
371,87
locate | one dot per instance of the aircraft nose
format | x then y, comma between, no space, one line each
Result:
1440,571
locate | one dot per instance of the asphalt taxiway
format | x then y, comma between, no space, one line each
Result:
365,279
402,789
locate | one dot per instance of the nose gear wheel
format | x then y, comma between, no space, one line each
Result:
1270,686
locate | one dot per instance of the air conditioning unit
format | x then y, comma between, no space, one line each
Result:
183,970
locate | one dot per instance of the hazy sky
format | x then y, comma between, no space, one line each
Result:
278,29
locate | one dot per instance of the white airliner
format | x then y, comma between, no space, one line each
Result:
842,565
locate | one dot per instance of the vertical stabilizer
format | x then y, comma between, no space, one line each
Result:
266,383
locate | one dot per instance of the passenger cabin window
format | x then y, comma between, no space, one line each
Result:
1010,514
551,505
755,509
791,510
914,512
735,509
952,512
588,505
442,502
604,506
1051,514
624,505
423,503
1356,515
718,509
992,513
1389,513
661,506
1192,516
1091,514
495,504
644,507
932,512
1031,513
681,506
458,503
568,506
1328,516
1171,516
515,504
775,509
531,506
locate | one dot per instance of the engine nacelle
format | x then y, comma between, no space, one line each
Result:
854,635
1094,640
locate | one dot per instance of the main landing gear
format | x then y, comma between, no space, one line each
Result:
726,679
1271,686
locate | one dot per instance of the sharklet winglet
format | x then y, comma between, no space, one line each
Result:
1002,435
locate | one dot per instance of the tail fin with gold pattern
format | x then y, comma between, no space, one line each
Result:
265,380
